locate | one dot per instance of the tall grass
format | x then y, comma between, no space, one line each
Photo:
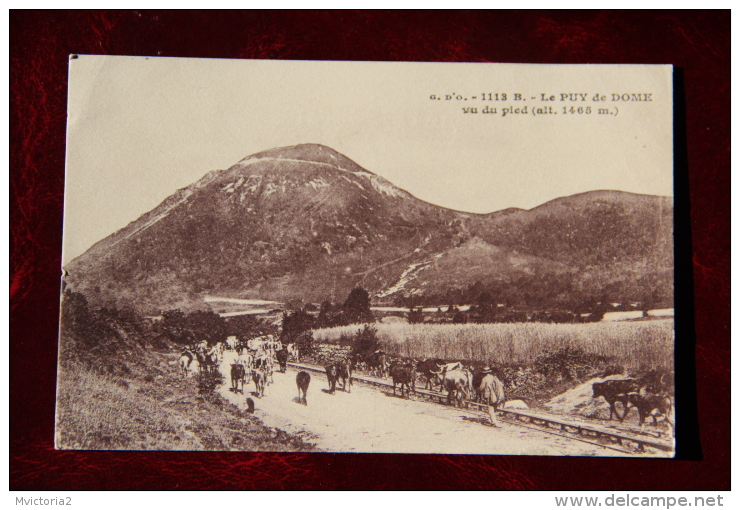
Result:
98,412
639,344
154,411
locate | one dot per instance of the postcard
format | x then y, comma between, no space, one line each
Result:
367,257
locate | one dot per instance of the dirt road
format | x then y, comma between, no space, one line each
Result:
369,420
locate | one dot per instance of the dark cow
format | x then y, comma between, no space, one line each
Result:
260,378
302,380
238,375
427,368
344,372
202,362
405,376
331,377
616,390
376,362
208,362
282,359
652,405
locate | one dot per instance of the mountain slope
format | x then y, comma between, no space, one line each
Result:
591,228
306,222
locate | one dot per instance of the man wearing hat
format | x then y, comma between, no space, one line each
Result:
491,391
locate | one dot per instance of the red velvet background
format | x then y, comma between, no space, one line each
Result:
697,42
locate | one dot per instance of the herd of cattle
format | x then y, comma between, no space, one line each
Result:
460,382
256,359
200,357
651,395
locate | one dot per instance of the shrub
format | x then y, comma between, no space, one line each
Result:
415,316
208,382
613,370
366,340
568,363
295,324
305,343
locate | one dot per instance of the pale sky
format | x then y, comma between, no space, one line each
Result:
141,128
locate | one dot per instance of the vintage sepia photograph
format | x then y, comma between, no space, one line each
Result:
314,256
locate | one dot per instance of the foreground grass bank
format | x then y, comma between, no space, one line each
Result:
148,406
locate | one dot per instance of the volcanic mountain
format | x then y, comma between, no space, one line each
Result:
305,222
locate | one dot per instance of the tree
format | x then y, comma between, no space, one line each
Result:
245,327
326,318
366,341
415,316
294,304
459,318
206,325
356,308
304,343
358,299
484,299
175,328
294,324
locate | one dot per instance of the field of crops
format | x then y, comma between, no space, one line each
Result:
636,345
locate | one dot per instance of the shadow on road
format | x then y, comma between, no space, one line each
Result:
481,421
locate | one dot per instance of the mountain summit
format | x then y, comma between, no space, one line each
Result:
306,222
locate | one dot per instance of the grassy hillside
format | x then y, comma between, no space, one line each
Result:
590,229
119,388
143,411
